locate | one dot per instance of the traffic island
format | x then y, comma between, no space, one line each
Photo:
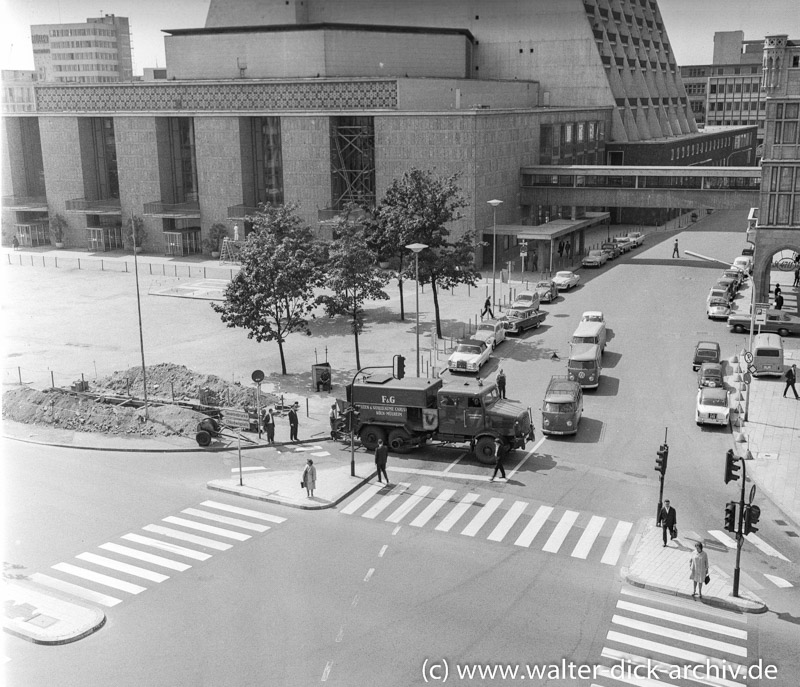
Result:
653,566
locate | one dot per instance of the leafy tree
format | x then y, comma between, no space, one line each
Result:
352,276
272,295
386,234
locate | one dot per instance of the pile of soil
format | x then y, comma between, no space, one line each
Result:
67,410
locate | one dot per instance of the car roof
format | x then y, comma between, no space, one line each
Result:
713,392
584,352
711,366
472,342
564,273
720,301
592,313
708,344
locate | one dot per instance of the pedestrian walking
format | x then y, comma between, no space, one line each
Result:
668,520
568,249
487,307
675,252
294,422
500,380
499,454
698,570
15,242
333,417
310,478
791,378
381,456
777,290
778,302
796,277
269,425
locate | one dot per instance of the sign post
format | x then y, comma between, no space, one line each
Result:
258,377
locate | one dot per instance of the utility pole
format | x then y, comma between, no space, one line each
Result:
139,309
661,467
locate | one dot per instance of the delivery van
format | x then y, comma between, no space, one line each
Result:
562,407
584,365
590,333
768,355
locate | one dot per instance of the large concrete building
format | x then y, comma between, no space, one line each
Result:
321,104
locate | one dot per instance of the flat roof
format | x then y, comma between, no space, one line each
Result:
554,228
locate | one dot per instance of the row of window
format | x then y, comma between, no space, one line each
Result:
92,31
85,56
719,121
745,105
65,45
783,199
86,67
787,123
86,79
601,181
738,141
719,71
734,87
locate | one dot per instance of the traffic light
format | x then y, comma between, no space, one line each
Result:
751,517
661,459
731,467
730,516
399,366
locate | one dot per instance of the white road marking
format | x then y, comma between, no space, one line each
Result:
454,515
386,501
126,568
383,550
526,456
503,527
99,578
455,462
410,502
69,588
760,544
258,515
720,536
396,530
185,536
679,635
669,650
482,516
561,531
236,522
361,499
370,572
778,581
622,656
327,671
690,606
340,634
682,619
533,527
614,548
166,546
144,556
228,534
432,508
588,537
250,469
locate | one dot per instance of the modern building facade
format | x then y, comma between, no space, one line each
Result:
96,51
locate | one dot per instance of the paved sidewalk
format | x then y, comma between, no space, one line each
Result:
666,569
47,618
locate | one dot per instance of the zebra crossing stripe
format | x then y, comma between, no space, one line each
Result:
432,508
690,606
99,578
533,527
126,568
561,531
75,590
720,536
236,522
185,536
513,514
778,581
386,501
356,503
238,536
258,515
675,652
618,539
256,468
588,537
682,619
480,519
144,556
411,501
680,636
760,544
621,656
454,515
166,546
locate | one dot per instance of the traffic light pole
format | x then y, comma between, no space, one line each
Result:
663,472
740,533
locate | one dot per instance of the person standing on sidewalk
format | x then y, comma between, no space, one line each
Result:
778,301
698,569
294,422
333,417
381,457
499,454
269,425
791,378
310,478
487,307
500,380
796,277
15,242
668,520
675,252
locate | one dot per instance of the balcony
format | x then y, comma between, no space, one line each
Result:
25,203
104,206
189,210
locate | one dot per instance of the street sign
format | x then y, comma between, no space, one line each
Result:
761,316
257,376
752,493
748,357
751,369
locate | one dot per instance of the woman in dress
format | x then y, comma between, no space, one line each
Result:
698,567
310,478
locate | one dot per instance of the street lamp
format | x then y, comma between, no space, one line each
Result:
417,247
494,204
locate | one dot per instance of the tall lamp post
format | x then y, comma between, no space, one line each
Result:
417,248
494,204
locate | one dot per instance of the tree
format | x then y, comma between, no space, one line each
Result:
386,234
352,276
272,295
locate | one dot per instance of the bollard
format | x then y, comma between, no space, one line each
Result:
150,266
204,272
163,270
102,266
307,415
52,380
44,264
79,263
172,390
19,372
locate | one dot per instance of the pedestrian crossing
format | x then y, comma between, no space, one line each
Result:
137,561
583,536
659,640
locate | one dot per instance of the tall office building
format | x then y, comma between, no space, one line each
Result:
97,51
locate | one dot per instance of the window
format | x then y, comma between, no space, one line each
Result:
580,132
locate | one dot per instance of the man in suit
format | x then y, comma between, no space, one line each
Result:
381,456
294,422
668,519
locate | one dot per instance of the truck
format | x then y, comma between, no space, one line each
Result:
405,413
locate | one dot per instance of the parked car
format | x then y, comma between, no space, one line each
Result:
547,291
526,299
710,375
726,287
593,316
712,406
624,243
595,258
493,332
730,282
565,280
469,356
738,275
612,249
749,249
744,263
718,309
777,321
637,237
518,319
705,352
719,292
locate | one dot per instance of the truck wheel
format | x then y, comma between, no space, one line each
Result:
370,436
203,438
399,441
484,450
